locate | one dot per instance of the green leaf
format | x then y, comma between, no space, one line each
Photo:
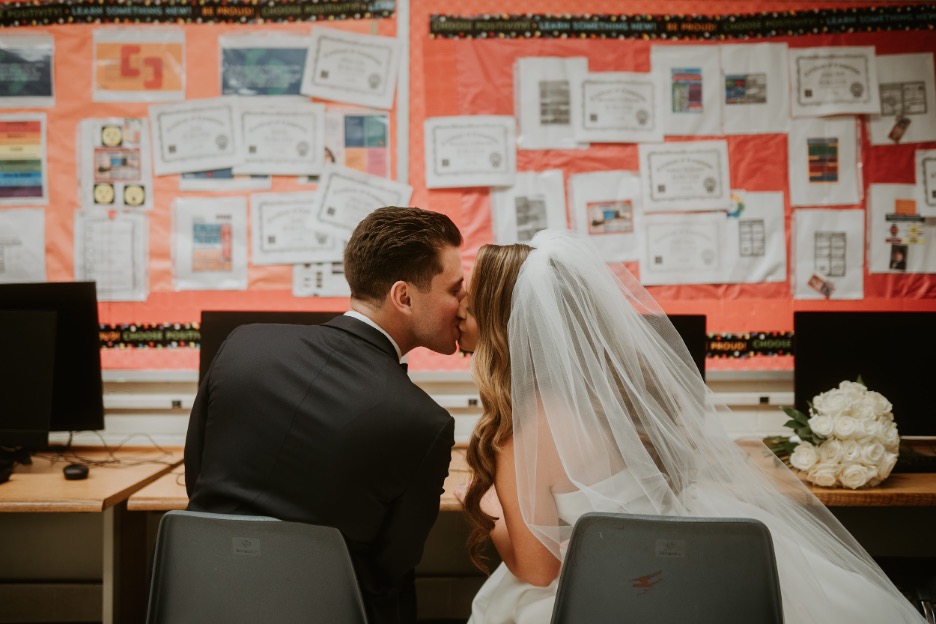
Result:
859,380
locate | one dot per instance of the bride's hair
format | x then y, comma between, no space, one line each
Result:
493,277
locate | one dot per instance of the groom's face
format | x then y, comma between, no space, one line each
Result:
435,312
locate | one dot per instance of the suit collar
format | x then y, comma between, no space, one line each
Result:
365,332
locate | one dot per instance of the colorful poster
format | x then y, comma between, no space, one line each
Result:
23,159
26,71
115,161
262,64
137,65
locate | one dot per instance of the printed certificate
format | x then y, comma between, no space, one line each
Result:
690,175
834,80
285,230
209,243
352,68
345,196
196,135
115,163
617,107
281,136
683,249
27,71
470,151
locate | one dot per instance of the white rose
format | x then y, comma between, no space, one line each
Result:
804,456
889,436
844,427
821,425
830,451
832,403
886,464
851,451
854,475
822,474
881,404
869,430
863,410
872,453
853,389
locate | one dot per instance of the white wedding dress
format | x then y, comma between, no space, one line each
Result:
813,589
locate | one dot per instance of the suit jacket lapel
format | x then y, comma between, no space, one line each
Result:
364,332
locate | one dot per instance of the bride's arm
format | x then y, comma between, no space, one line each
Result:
525,556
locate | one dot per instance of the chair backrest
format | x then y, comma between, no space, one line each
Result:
661,569
226,568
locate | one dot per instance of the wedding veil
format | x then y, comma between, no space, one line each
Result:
607,402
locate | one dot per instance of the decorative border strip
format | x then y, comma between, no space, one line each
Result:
36,13
760,344
712,27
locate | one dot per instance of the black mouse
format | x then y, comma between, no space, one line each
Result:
74,472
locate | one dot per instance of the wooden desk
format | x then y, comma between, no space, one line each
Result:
42,487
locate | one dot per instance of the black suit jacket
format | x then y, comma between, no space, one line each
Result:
320,424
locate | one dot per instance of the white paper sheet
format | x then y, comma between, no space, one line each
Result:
756,88
617,107
195,135
345,196
23,159
823,161
925,167
833,80
900,239
605,206
22,245
281,136
284,229
112,250
209,243
535,202
692,87
908,100
320,279
28,71
686,248
755,239
114,157
138,64
465,151
828,254
542,101
352,68
685,175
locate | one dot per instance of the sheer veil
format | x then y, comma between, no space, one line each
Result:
607,402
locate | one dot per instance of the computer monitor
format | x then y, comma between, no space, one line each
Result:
77,388
891,351
691,328
217,324
27,343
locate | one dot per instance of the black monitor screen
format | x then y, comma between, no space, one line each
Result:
217,324
27,343
891,351
691,328
77,389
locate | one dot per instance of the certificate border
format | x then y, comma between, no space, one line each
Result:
284,160
186,109
651,129
718,166
435,152
867,77
382,93
261,204
326,188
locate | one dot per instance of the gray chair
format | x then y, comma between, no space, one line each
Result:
660,569
230,569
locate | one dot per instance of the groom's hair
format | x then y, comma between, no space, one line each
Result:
392,244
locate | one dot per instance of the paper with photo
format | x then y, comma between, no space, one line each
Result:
691,79
196,135
352,68
346,196
114,156
23,159
685,175
22,245
112,250
28,71
900,239
605,206
223,180
756,90
542,101
535,202
823,162
281,136
138,64
320,279
685,248
925,168
908,100
262,63
834,80
209,243
284,229
357,138
617,107
828,254
755,240
470,150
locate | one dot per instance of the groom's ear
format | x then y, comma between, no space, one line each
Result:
399,297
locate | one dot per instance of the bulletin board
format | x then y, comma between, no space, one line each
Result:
466,70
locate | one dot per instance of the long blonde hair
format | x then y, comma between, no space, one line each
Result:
493,277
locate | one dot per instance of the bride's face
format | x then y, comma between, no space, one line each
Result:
467,326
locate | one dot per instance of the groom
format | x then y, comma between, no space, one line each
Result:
321,424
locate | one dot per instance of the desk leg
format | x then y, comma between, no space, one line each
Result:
107,610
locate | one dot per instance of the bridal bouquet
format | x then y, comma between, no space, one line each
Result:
849,438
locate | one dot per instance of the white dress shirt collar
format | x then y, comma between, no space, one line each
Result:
364,319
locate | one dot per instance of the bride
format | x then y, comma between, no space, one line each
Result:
591,402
